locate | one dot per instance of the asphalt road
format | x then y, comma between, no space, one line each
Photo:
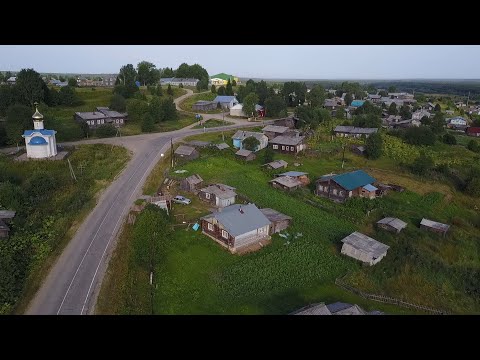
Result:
72,286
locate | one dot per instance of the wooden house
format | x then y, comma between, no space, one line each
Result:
434,226
192,183
288,144
241,135
186,153
351,131
344,186
272,131
219,195
279,221
237,226
6,216
286,183
4,229
364,248
277,164
246,155
298,175
290,122
392,224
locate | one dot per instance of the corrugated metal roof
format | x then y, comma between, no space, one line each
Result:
41,131
393,222
244,152
370,187
434,224
225,99
294,173
194,179
353,180
287,181
275,128
277,164
238,222
242,135
287,140
7,214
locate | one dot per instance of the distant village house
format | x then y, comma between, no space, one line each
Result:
219,195
344,186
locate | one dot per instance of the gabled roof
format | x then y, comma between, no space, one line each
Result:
239,219
194,179
354,130
89,115
287,140
352,180
244,152
242,135
222,76
313,309
224,99
287,181
340,308
7,214
275,129
41,131
294,173
220,190
393,222
274,215
3,226
184,150
366,244
277,164
434,224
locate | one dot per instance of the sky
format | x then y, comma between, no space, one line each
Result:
257,61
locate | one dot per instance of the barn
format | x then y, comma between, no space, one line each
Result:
364,248
191,183
278,220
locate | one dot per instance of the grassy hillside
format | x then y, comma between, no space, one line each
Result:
50,206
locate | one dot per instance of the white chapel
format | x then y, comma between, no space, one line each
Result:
40,143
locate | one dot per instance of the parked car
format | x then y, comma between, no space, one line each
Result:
181,200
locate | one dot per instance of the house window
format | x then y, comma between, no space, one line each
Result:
207,196
283,147
210,227
341,193
261,230
224,234
292,148
334,191
320,187
275,147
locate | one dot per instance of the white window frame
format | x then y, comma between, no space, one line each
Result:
320,187
224,234
334,191
292,148
207,195
283,147
210,227
275,147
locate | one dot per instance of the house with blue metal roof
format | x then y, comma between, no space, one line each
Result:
237,226
344,186
226,101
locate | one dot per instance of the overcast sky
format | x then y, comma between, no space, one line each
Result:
259,61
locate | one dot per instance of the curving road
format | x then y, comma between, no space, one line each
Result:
73,283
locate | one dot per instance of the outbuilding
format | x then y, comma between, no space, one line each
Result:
364,248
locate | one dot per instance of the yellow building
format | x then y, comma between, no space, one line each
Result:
222,79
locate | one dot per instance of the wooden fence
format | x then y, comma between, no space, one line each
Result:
387,299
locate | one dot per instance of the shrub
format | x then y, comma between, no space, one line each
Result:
449,139
106,130
422,164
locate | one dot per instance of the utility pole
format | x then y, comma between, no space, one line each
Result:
171,151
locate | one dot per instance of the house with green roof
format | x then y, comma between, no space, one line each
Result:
344,186
222,79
